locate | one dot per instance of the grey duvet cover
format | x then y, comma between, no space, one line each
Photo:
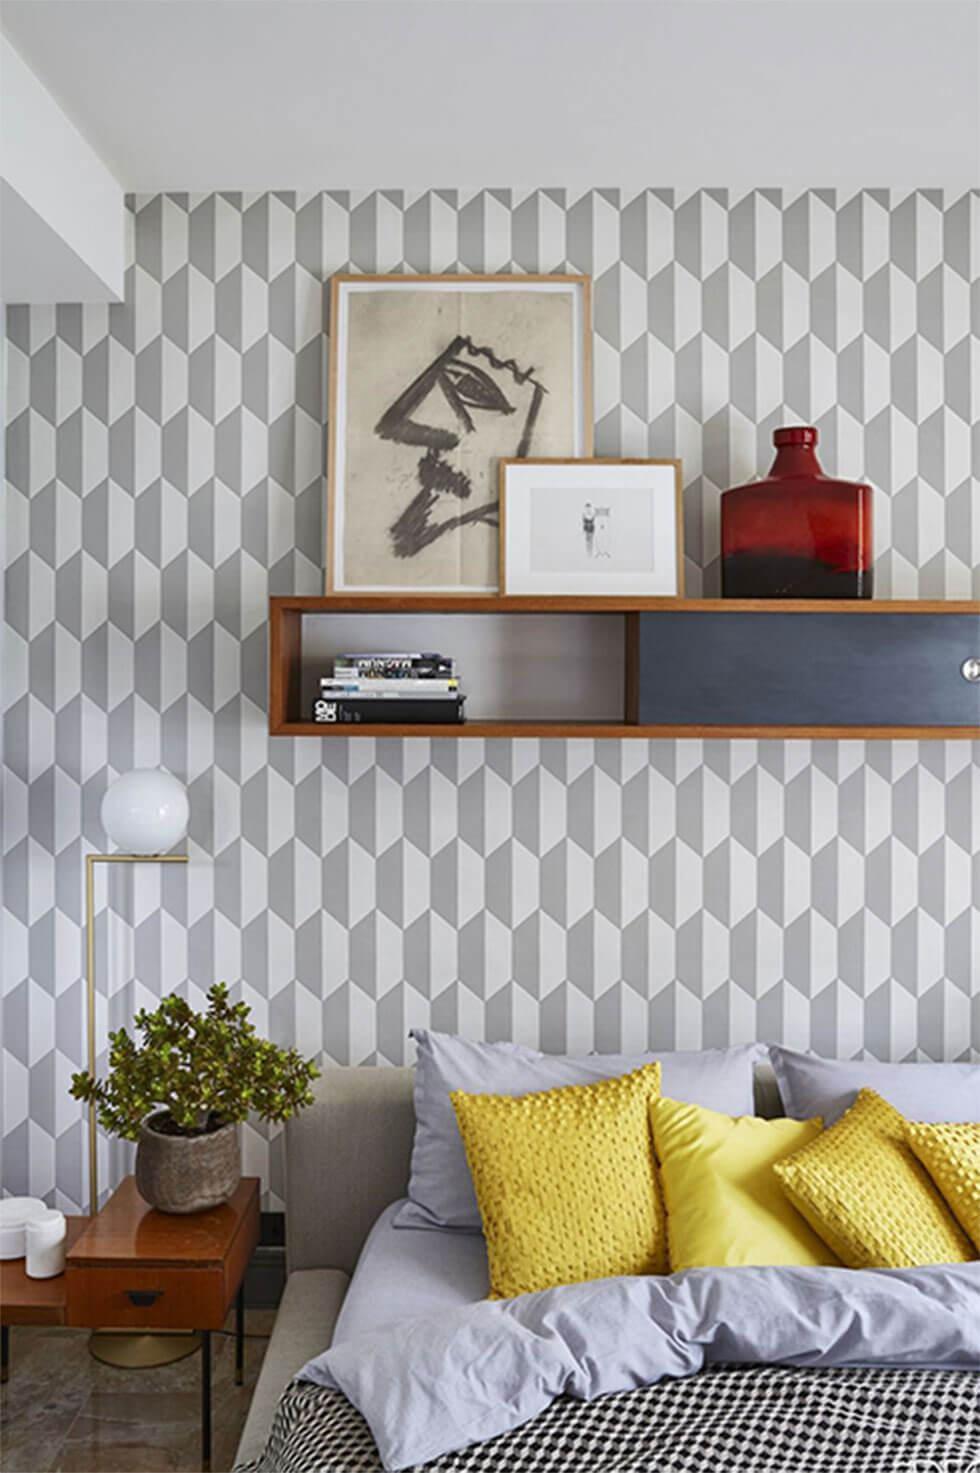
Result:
716,1370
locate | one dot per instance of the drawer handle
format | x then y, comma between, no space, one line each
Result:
970,669
143,1298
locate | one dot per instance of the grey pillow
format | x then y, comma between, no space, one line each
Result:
440,1190
933,1092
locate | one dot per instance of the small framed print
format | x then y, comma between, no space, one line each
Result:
593,527
434,379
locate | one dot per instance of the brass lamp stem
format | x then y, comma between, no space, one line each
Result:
91,860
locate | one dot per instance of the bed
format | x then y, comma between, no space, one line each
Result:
361,1286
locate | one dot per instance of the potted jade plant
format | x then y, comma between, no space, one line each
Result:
183,1090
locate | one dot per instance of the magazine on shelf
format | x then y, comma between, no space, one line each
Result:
394,698
379,685
395,666
380,711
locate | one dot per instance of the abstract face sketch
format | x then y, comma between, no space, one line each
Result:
460,396
433,383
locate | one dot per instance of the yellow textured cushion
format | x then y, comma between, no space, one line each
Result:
860,1186
566,1182
951,1155
725,1205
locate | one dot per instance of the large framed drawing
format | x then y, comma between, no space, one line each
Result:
433,381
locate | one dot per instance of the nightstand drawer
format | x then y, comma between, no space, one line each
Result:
118,1298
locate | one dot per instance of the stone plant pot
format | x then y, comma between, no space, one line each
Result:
186,1173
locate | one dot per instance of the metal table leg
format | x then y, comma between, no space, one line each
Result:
240,1334
5,1355
206,1400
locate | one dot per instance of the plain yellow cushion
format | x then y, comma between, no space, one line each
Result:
861,1187
566,1182
725,1206
951,1155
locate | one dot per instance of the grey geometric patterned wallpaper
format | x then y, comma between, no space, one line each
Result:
165,474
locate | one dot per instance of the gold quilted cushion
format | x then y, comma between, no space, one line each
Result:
566,1182
951,1155
860,1186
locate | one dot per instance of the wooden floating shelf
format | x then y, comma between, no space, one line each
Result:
592,730
453,603
637,617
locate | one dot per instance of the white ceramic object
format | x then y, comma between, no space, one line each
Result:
15,1214
46,1245
145,811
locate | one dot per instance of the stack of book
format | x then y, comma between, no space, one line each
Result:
400,689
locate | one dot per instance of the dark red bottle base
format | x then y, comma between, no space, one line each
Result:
765,575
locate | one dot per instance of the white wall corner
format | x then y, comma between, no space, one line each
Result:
62,212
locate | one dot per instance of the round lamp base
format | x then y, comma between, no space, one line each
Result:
137,1351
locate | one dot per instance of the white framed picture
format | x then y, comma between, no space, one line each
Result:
592,527
433,380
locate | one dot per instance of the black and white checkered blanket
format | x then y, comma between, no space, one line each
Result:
727,1419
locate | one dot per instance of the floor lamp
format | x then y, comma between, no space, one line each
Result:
144,812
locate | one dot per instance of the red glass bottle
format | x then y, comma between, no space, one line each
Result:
798,533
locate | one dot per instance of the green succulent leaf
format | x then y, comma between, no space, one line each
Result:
204,1069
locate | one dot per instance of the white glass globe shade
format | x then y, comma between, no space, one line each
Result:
145,811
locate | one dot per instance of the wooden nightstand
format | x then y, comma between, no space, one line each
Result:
133,1268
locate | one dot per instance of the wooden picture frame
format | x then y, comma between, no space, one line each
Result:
573,415
673,519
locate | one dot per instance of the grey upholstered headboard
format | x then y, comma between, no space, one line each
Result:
347,1158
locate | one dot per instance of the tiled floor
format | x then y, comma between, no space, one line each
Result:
64,1412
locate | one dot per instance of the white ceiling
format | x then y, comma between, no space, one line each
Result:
308,94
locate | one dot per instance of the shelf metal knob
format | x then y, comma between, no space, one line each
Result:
970,669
